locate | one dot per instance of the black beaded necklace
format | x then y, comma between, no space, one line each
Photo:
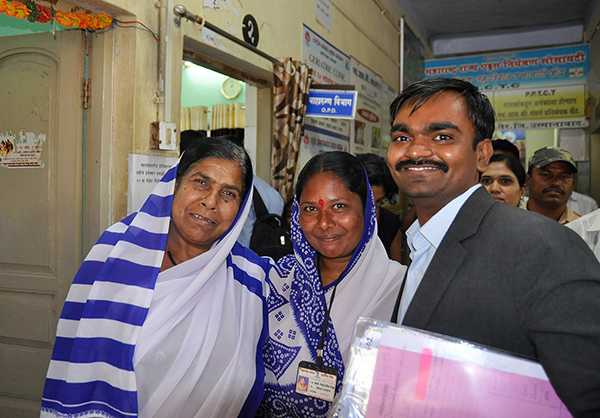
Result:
171,258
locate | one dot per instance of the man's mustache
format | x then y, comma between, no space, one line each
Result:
553,189
401,164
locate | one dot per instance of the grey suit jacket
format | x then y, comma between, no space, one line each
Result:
514,280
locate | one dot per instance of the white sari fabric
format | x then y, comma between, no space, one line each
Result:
193,358
186,342
297,308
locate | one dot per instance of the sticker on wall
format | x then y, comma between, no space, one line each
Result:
21,151
250,30
323,13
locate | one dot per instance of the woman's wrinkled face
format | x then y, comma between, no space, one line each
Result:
207,199
331,216
502,183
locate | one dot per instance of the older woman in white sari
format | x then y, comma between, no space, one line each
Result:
165,317
339,271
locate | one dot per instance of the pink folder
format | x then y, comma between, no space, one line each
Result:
397,371
422,385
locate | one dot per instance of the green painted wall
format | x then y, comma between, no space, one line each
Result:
202,87
11,26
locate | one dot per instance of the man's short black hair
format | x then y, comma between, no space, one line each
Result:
479,107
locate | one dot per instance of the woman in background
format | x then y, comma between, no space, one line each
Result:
504,179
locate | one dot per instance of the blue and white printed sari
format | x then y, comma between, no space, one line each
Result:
297,308
186,342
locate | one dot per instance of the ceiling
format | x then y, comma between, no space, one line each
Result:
465,16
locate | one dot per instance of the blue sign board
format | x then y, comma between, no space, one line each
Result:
550,66
335,104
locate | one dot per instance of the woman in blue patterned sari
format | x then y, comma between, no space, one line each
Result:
165,317
338,272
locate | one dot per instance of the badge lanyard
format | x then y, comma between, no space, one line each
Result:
324,326
315,379
394,318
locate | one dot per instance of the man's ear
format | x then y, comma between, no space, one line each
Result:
484,152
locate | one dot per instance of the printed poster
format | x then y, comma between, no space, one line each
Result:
517,69
330,66
323,13
531,89
369,109
22,150
317,140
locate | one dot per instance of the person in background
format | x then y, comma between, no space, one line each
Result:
165,317
504,146
588,228
578,202
581,203
270,197
339,271
383,186
551,179
540,298
504,178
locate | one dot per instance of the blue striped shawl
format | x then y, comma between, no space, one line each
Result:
91,370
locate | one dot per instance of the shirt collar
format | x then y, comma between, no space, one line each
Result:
594,224
435,228
567,216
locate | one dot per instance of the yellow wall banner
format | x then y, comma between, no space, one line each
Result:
541,103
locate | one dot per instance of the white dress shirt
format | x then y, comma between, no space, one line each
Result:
588,228
424,241
581,203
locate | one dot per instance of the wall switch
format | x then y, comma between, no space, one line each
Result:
167,136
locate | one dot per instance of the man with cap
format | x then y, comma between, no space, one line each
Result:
551,179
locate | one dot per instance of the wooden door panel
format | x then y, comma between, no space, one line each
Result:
30,87
35,325
40,208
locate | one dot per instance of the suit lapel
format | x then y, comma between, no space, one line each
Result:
448,258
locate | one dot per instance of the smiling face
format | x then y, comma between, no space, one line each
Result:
207,199
551,186
331,216
502,183
432,157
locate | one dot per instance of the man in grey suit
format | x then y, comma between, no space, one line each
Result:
481,270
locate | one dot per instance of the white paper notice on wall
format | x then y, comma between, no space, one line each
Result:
22,150
323,13
211,4
216,4
212,38
145,171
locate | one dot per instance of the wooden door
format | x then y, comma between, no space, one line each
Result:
40,205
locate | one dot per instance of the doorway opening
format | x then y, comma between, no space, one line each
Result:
214,104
